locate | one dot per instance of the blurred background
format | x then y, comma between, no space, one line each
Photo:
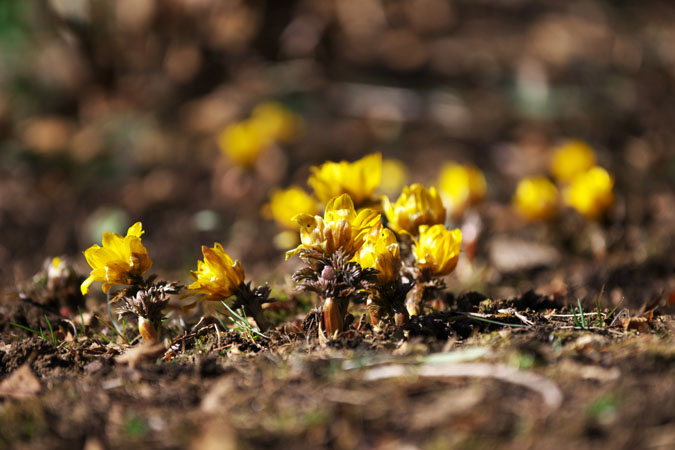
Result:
111,111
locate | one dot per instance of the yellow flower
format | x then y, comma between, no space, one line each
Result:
536,198
358,179
243,142
278,123
119,261
416,206
381,252
462,186
394,176
570,159
340,228
590,193
437,249
287,203
218,276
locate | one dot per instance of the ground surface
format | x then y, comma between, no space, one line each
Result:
532,379
110,115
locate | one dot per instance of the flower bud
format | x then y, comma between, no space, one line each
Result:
328,273
332,317
147,330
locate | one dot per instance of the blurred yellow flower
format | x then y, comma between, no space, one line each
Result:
120,261
383,253
358,179
218,276
590,193
536,198
570,159
243,142
415,206
437,249
272,119
285,204
462,186
340,228
394,176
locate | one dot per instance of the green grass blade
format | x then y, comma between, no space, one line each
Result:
581,313
575,318
23,327
245,323
614,310
51,332
103,337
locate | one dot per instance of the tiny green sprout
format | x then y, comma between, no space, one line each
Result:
580,321
241,323
51,339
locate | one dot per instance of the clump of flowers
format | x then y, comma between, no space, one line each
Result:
329,243
571,159
415,206
270,123
536,198
436,253
359,179
123,260
462,186
590,193
219,277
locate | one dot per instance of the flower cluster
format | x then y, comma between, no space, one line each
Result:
124,261
345,247
243,142
585,187
392,255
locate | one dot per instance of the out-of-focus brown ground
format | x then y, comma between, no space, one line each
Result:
109,113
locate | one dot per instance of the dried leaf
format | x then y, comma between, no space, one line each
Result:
22,383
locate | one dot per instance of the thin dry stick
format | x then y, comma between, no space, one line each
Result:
572,315
520,316
546,388
608,330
